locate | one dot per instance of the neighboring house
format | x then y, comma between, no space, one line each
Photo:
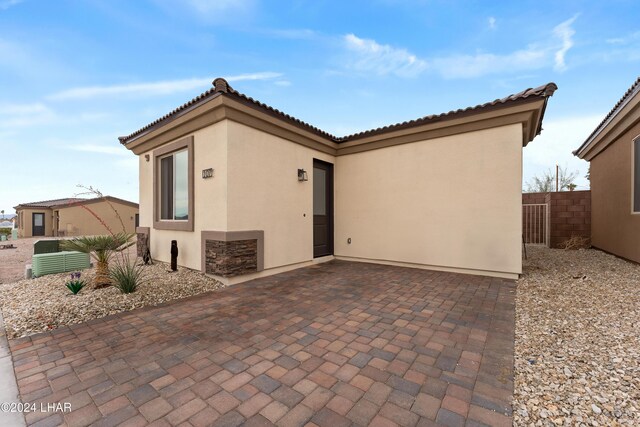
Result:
75,217
613,152
226,177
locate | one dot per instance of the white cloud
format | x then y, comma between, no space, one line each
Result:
153,88
215,7
23,115
565,33
268,75
212,12
480,64
556,144
492,23
371,56
382,59
21,109
292,33
630,38
6,4
102,149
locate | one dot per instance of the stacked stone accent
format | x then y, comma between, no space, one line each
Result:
142,242
232,258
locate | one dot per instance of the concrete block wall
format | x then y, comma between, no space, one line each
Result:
569,213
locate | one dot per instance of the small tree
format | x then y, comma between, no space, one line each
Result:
547,182
100,248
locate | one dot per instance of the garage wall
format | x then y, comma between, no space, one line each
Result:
448,203
77,221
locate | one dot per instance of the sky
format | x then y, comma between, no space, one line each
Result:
75,75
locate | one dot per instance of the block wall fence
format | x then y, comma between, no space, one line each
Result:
569,213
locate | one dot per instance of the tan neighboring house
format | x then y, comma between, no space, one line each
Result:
247,190
75,217
613,152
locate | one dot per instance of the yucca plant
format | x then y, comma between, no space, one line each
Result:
101,249
126,275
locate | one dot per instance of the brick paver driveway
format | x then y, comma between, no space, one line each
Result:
333,345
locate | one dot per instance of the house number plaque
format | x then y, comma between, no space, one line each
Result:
207,173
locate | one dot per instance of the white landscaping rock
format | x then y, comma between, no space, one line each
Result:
577,349
44,303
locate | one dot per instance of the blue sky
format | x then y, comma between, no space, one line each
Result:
75,75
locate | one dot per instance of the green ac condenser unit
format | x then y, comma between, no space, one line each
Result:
58,262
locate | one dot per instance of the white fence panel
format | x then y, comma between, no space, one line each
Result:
535,223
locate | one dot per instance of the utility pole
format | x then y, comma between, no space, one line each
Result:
556,177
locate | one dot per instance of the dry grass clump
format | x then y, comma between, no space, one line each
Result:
576,242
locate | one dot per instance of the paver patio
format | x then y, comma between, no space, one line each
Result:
336,344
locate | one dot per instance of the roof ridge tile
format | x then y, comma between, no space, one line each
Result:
222,87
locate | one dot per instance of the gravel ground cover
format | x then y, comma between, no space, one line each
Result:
577,350
31,306
13,261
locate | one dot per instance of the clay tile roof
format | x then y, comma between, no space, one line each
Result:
614,111
49,203
540,91
221,87
69,201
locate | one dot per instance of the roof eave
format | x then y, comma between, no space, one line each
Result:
603,128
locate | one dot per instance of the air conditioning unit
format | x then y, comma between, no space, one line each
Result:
58,262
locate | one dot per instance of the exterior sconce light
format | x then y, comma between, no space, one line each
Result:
302,175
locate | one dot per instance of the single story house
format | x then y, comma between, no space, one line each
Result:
246,190
75,217
613,153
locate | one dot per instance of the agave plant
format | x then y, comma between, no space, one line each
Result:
101,249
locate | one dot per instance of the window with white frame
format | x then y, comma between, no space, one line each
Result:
636,175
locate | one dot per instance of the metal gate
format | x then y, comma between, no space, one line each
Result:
535,224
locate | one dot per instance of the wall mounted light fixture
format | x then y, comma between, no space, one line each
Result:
302,175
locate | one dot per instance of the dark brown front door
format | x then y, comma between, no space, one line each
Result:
37,224
322,208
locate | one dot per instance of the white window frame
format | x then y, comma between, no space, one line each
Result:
635,168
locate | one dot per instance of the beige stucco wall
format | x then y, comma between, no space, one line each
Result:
77,221
26,230
614,228
451,203
264,193
210,195
447,202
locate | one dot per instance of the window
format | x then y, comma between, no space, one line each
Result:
173,178
636,175
174,190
